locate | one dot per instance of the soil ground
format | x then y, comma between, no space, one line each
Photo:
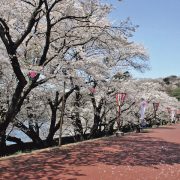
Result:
152,155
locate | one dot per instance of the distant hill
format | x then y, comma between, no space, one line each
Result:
173,81
172,86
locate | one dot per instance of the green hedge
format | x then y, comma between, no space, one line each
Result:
176,93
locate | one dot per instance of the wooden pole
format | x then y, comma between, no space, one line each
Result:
62,115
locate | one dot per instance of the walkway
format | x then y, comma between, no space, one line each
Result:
146,156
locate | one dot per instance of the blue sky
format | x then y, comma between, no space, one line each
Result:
159,32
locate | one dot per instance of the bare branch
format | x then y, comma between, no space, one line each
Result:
28,2
4,33
30,25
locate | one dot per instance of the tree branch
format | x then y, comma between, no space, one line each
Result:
4,33
30,25
14,139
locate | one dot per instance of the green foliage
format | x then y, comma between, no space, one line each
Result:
18,152
176,93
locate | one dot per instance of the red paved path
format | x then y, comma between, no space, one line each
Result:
146,156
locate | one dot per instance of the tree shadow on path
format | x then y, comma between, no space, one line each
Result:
115,151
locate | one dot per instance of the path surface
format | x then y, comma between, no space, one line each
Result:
146,156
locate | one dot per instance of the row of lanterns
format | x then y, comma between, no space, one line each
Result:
120,98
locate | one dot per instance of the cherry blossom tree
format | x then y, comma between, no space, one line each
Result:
41,38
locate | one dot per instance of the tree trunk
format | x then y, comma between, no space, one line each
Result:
77,123
52,129
54,107
12,111
97,119
109,129
2,143
49,139
31,134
